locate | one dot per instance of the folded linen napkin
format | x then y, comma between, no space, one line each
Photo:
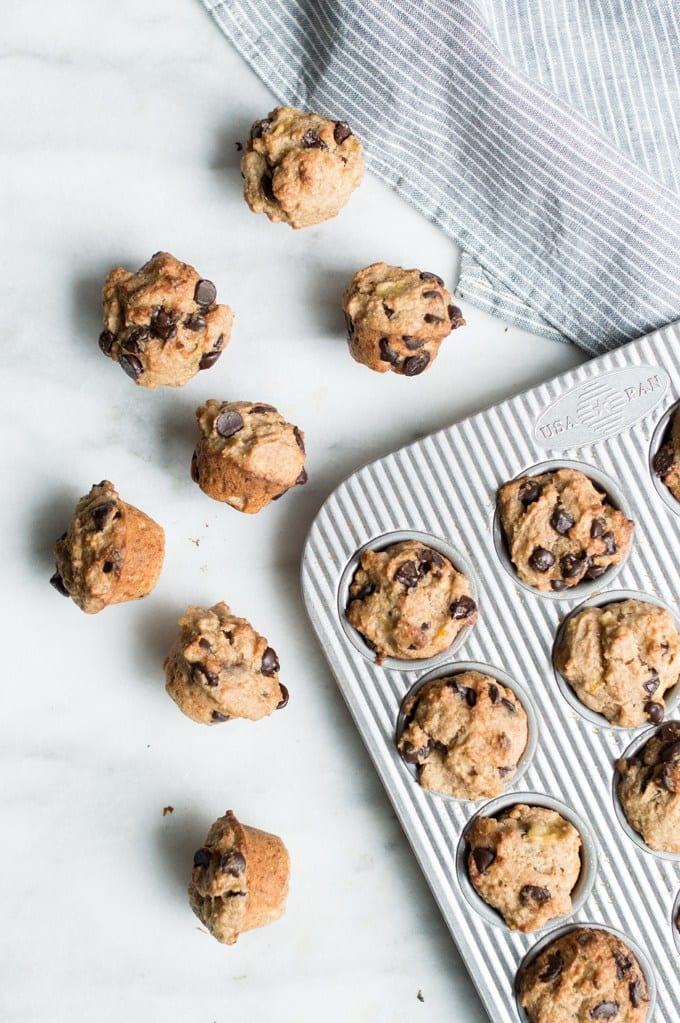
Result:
541,135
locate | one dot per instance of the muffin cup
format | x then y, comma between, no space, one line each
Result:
660,437
550,936
630,750
586,878
460,562
602,600
616,499
448,671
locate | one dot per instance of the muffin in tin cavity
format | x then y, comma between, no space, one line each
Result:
665,458
620,657
465,732
561,528
647,790
396,319
524,861
408,601
586,972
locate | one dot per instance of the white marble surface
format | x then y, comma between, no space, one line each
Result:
118,124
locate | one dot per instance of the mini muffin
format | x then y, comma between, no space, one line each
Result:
300,168
667,459
620,659
162,323
649,789
585,974
111,552
561,530
408,601
239,880
466,733
525,863
247,454
397,319
219,667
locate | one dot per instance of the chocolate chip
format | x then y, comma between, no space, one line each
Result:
137,338
605,1010
408,575
432,294
341,132
204,676
228,423
533,893
670,753
415,364
668,779
471,697
132,345
594,571
610,543
103,514
131,365
204,644
387,354
465,692
202,858
431,318
106,339
636,993
623,963
424,626
233,863
652,683
194,467
572,565
260,128
412,343
670,731
554,965
663,460
557,585
312,140
216,716
412,754
195,322
298,438
654,712
584,938
494,694
462,608
349,323
509,705
364,592
267,186
208,359
483,859
456,316
270,662
108,567
541,559
529,492
58,584
285,696
302,478
388,311
429,559
427,276
163,324
597,528
205,292
261,409
561,521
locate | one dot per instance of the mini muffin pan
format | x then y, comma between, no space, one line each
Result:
609,416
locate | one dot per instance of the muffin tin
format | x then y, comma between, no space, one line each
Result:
608,416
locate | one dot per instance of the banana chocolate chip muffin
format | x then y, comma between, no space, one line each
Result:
162,323
466,734
219,668
667,459
560,529
397,319
408,601
111,552
525,863
620,659
247,454
649,789
239,879
299,167
585,974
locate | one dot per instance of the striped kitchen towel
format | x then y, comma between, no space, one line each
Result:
541,135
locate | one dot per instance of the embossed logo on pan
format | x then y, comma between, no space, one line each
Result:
600,408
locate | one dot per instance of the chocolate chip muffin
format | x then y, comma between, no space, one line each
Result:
299,167
408,601
525,863
560,529
247,455
620,659
466,733
239,880
219,667
585,974
162,324
649,789
397,319
111,552
667,459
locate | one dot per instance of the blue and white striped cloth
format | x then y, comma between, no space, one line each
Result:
541,135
